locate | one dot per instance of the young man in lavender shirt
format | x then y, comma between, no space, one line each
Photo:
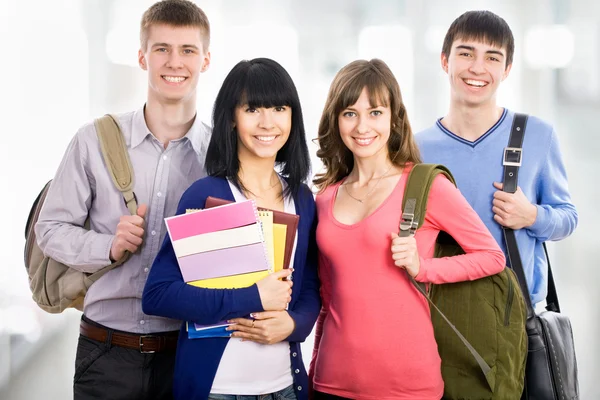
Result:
123,353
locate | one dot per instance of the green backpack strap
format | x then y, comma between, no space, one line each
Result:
116,158
414,207
416,193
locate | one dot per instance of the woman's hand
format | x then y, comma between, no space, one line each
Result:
405,254
275,294
267,327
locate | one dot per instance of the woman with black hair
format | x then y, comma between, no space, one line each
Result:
257,130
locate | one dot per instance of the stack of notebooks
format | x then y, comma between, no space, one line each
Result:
229,246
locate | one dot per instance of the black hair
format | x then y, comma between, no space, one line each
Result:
260,82
482,26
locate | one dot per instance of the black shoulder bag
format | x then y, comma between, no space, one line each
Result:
551,371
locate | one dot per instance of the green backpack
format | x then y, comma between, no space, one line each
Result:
55,286
484,348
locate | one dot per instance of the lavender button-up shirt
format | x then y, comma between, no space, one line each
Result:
83,187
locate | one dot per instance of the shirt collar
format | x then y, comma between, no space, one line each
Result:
198,135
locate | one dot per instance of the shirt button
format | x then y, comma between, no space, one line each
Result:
165,157
153,233
294,354
297,371
159,194
142,322
146,270
299,388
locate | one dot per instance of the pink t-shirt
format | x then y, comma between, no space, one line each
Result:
374,337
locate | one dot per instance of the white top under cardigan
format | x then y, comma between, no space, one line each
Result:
249,368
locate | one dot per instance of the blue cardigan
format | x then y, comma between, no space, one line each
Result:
167,295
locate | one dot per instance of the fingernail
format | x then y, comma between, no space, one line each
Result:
253,315
292,269
228,328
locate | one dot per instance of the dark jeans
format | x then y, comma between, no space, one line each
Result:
116,373
326,396
284,394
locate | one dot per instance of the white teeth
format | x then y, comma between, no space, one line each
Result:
265,138
174,79
473,82
364,141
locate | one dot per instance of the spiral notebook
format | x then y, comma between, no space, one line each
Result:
284,224
221,248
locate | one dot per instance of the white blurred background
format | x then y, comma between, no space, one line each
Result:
67,61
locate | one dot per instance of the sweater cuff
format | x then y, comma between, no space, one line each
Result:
422,275
298,334
248,300
541,221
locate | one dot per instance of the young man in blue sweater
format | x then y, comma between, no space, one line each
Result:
477,55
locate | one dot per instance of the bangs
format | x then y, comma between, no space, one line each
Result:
496,39
265,87
376,88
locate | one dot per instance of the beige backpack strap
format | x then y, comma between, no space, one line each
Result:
116,157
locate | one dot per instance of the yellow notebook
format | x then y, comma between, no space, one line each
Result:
279,235
231,282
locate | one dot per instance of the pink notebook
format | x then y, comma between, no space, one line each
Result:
218,242
216,219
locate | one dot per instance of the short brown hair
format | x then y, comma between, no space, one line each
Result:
383,88
482,26
180,13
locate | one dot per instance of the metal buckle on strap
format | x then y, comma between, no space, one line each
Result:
142,345
409,223
512,156
406,221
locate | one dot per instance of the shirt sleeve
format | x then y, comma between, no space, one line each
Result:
449,211
167,295
60,228
556,216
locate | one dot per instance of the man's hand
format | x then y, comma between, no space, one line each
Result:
513,210
129,234
405,254
267,327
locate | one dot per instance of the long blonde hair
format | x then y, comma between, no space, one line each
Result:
383,89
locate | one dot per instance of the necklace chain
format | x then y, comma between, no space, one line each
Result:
371,190
248,192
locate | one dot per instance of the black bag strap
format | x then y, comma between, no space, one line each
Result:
512,161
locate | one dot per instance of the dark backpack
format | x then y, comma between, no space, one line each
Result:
55,286
479,325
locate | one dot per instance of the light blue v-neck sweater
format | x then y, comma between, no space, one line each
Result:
542,178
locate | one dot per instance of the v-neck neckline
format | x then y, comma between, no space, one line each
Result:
481,138
357,224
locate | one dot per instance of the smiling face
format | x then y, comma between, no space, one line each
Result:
262,131
365,128
475,70
174,58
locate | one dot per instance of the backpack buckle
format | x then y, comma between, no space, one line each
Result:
408,224
512,156
406,221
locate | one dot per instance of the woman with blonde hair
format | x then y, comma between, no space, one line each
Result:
374,337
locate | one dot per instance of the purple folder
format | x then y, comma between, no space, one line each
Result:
222,262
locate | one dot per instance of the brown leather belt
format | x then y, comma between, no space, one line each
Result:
143,343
